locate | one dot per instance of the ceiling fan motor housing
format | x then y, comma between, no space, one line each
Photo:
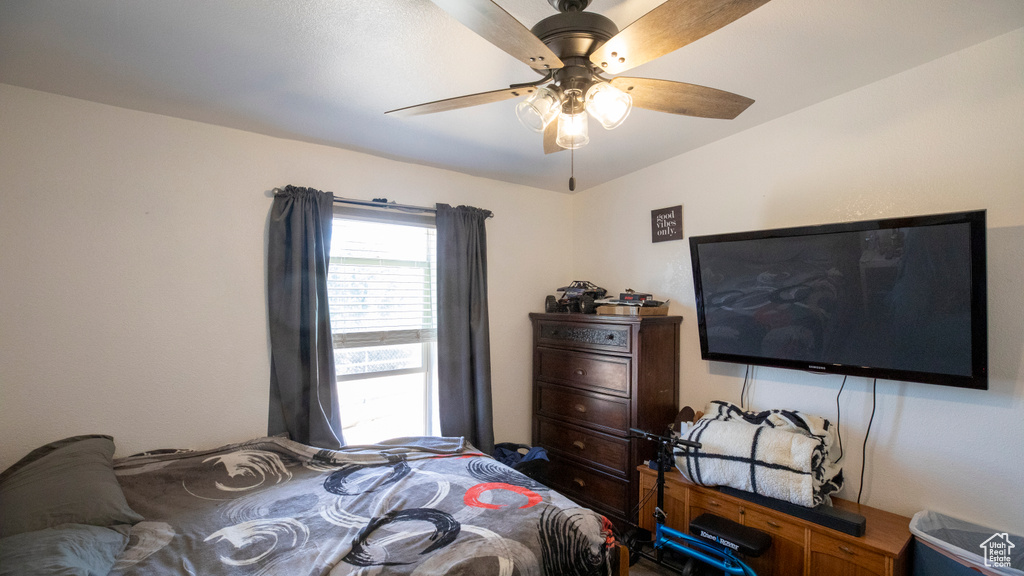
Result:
574,34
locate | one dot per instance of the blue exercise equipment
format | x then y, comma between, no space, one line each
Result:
715,541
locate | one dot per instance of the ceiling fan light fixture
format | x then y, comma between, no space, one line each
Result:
539,109
573,131
573,48
608,105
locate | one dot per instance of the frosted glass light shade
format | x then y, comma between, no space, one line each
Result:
572,130
608,105
539,109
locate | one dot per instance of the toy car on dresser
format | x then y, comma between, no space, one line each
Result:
579,296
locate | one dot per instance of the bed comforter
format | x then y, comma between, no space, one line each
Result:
412,506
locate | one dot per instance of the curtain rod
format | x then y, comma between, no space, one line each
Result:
383,203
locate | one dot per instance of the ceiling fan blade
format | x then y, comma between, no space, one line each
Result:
500,28
461,102
682,98
550,135
667,28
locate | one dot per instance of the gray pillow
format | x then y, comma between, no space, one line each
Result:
70,481
68,549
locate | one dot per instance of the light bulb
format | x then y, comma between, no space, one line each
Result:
572,130
539,109
608,105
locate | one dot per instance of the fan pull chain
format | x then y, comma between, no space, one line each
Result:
572,166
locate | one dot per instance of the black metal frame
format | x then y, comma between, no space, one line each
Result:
669,538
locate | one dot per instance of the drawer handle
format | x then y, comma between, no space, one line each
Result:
713,503
579,444
773,524
610,336
579,482
581,372
580,408
847,550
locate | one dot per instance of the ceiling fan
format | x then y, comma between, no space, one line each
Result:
576,51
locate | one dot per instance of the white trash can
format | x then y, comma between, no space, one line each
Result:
949,546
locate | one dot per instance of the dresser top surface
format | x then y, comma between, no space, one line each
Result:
604,319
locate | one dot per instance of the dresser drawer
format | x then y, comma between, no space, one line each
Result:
827,551
605,412
701,503
774,525
608,374
590,336
599,450
588,485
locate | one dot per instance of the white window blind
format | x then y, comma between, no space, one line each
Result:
381,285
382,295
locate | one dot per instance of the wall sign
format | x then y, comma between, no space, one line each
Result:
667,224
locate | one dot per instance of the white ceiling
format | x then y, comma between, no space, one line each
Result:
325,71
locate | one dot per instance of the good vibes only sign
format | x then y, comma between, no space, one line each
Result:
667,224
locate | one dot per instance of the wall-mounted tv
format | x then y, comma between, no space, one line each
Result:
900,299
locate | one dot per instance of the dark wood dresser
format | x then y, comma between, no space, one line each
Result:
594,378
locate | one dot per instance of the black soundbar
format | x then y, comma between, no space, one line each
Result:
828,516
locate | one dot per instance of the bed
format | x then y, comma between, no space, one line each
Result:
410,506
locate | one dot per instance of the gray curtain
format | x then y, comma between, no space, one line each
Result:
303,391
463,338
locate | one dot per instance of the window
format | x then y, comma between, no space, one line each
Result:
382,292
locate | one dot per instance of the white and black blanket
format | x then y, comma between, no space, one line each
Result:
783,454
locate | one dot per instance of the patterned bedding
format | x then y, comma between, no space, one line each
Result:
409,506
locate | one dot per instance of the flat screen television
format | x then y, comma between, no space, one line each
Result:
900,299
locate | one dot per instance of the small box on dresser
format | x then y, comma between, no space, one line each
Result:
594,378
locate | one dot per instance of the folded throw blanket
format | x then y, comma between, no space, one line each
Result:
781,454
